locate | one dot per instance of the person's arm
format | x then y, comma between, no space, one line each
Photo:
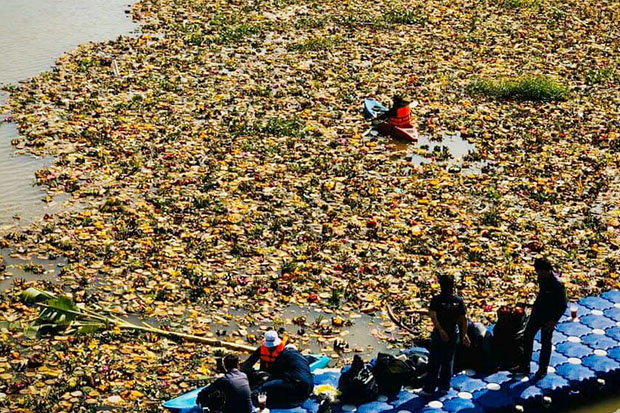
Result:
385,115
442,333
463,330
560,307
251,361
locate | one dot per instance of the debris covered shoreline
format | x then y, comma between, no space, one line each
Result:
226,165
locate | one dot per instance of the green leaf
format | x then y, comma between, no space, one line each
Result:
32,331
89,328
60,311
33,295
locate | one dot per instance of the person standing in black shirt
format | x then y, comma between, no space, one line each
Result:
448,314
549,306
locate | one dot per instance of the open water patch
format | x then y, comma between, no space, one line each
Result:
33,35
313,330
451,150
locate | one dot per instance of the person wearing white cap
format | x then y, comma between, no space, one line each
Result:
267,353
290,381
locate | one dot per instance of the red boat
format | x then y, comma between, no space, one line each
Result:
372,110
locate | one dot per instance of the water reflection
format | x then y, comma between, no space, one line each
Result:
16,267
457,153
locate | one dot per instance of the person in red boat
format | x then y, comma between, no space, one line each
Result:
399,114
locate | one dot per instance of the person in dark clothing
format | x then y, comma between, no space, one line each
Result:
233,386
549,306
448,314
291,380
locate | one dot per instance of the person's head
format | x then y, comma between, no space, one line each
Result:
400,101
231,361
271,339
543,268
446,283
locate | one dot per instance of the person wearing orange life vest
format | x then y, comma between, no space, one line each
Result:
290,381
399,114
271,348
267,354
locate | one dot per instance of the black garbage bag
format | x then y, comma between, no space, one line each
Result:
473,357
391,374
417,358
508,336
357,385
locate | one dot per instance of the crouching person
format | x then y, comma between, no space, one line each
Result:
230,393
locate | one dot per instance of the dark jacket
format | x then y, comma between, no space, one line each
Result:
551,301
236,389
290,366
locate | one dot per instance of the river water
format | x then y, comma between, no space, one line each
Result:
33,34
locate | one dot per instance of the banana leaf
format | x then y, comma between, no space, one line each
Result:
34,295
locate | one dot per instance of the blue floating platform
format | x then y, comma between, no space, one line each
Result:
586,353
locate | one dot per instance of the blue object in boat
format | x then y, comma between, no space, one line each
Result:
598,321
429,409
311,405
555,339
372,108
558,337
571,328
613,296
459,379
452,393
187,401
327,377
403,397
415,350
596,303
